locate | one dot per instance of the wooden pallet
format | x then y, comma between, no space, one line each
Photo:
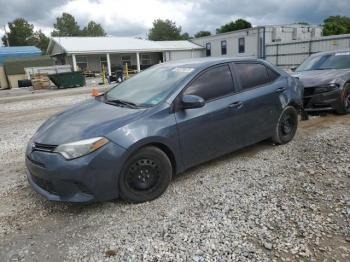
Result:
40,81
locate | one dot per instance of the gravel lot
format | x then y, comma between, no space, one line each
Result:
263,203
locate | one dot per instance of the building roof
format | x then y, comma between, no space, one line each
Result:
90,45
18,51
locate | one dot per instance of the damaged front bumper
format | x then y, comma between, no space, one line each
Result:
314,101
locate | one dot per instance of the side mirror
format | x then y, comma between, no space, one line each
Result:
192,101
293,68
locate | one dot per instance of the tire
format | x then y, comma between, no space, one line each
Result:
343,106
286,127
145,175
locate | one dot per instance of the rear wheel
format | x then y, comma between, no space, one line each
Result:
343,106
286,126
145,176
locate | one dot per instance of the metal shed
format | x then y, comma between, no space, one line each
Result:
7,53
18,51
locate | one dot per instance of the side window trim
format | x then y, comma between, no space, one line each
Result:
204,71
241,90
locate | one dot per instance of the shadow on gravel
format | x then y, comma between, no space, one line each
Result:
247,152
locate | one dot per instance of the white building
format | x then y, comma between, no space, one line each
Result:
90,53
252,41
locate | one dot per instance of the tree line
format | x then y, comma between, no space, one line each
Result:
21,32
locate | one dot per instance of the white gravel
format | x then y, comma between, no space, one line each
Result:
263,203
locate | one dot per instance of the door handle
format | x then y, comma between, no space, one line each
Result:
236,105
281,89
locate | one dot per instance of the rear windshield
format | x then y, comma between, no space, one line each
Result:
339,60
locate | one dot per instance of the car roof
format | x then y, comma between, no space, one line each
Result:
205,61
332,52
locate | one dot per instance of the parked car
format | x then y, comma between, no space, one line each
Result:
130,141
326,79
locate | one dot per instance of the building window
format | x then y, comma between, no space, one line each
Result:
146,59
223,47
208,49
82,62
241,45
103,62
126,59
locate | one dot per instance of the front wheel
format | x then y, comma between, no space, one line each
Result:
286,126
343,106
145,175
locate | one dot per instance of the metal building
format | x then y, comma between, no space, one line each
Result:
252,41
291,54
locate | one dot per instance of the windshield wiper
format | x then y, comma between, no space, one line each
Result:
122,103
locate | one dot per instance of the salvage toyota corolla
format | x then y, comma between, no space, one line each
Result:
130,141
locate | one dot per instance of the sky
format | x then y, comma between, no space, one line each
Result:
135,17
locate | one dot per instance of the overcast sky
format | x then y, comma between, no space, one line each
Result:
134,17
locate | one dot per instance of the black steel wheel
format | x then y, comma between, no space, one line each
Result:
343,106
145,176
287,126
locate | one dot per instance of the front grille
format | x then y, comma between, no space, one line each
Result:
44,184
309,91
44,147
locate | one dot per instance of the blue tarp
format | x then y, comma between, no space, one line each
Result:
18,51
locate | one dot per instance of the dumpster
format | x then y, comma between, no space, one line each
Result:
68,79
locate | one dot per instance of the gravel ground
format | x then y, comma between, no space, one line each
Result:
262,203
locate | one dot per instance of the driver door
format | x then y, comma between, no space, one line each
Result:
206,132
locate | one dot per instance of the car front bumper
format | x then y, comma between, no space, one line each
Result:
326,101
90,178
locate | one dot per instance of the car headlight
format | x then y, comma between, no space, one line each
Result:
326,88
80,148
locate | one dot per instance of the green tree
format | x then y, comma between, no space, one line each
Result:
20,32
66,26
202,33
93,29
234,25
163,30
40,40
186,36
336,25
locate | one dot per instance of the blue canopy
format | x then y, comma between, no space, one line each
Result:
18,51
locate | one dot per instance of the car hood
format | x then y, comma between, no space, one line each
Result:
319,77
86,120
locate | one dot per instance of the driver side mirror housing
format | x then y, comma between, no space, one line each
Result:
192,101
293,68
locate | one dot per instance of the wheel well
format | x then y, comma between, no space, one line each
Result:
167,151
295,105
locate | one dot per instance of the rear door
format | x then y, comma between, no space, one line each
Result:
259,92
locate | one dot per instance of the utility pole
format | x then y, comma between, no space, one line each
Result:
6,36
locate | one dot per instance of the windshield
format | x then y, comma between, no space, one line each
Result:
149,87
339,60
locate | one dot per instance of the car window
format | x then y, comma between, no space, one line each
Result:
340,60
252,75
273,75
213,83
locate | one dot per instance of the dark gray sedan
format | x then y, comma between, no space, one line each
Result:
326,78
130,141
